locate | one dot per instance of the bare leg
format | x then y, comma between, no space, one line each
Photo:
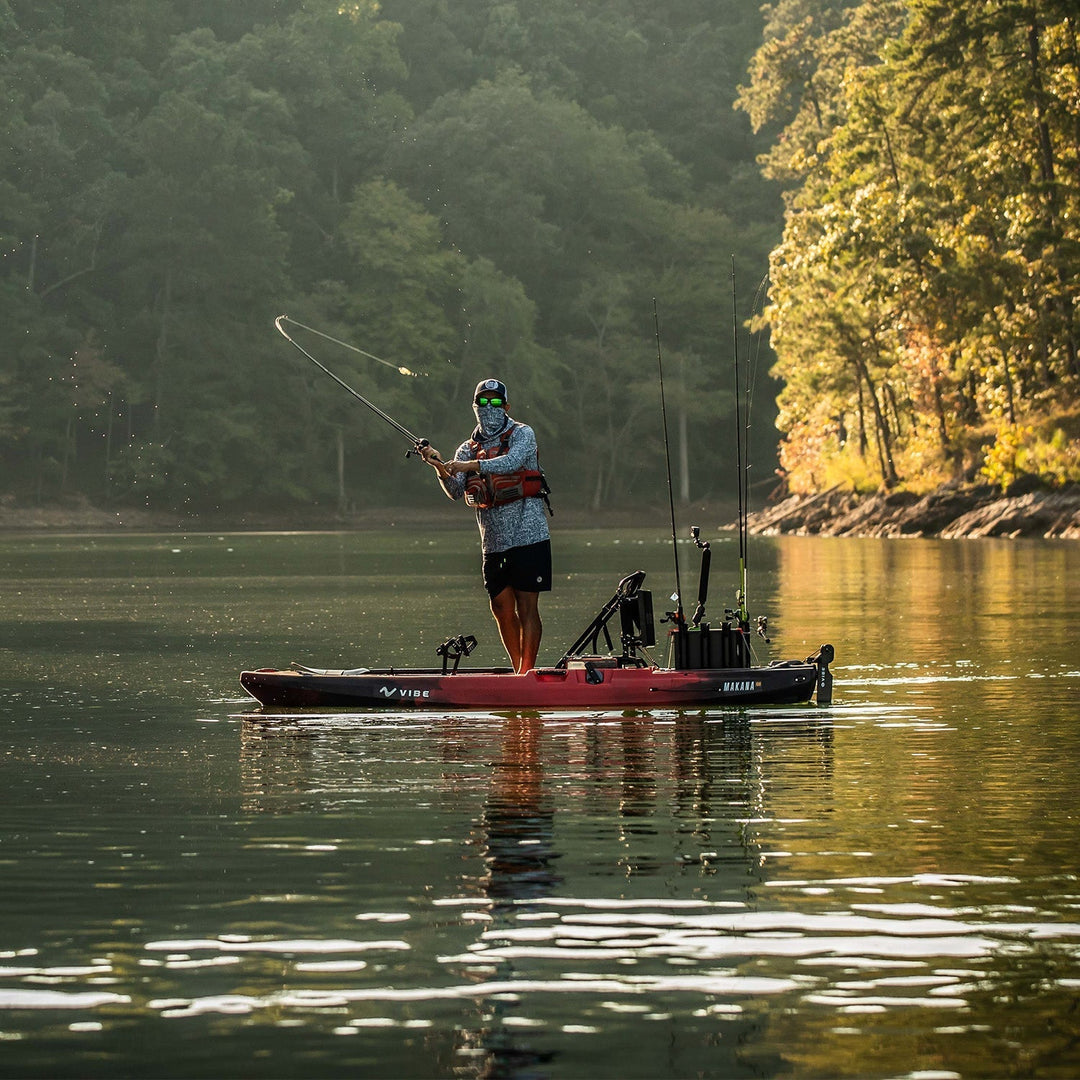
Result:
504,608
532,628
518,617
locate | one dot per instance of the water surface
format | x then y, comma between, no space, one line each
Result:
888,887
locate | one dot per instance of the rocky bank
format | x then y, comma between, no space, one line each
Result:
951,512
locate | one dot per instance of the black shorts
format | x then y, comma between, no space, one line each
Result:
527,569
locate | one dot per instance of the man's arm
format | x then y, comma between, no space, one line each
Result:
453,485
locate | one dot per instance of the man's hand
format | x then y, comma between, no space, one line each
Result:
434,459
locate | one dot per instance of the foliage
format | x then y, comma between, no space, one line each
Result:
503,188
926,283
1026,450
468,189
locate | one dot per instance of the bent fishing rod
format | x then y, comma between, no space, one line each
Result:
418,444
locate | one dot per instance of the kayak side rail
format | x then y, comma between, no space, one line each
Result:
299,669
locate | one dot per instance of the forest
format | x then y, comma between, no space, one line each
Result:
872,208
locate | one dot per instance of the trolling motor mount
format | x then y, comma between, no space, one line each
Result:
821,660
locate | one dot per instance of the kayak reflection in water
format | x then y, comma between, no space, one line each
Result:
497,472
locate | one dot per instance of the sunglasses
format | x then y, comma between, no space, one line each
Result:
498,402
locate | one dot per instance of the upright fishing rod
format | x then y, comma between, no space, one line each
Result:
753,356
417,443
740,438
680,618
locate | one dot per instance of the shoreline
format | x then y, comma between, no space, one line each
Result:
79,516
958,511
952,512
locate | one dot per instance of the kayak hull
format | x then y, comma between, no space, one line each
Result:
580,685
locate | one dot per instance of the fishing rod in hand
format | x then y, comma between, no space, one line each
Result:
416,441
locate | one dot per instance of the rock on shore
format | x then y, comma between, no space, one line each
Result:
950,512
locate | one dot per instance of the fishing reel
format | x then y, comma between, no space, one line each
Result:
761,625
674,617
738,615
418,449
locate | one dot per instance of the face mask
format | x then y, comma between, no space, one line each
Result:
490,418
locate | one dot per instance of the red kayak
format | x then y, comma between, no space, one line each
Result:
587,683
711,669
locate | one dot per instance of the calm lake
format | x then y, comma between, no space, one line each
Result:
889,887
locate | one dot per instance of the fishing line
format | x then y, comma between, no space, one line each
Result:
417,442
667,458
399,368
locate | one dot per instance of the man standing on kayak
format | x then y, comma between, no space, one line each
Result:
497,472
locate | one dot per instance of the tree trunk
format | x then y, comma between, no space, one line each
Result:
684,459
863,442
66,455
882,434
108,438
341,501
598,489
159,351
31,271
939,408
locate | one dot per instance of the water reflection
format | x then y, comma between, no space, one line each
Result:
608,858
884,888
931,610
517,826
681,872
516,835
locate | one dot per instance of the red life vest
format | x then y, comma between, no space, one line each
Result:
483,491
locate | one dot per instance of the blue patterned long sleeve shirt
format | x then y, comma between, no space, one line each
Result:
512,524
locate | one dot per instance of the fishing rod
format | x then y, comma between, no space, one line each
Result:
740,438
753,357
679,617
417,443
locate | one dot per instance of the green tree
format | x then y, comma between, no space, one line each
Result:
463,187
57,186
925,285
202,255
336,67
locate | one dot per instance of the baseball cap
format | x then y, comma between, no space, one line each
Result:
490,387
